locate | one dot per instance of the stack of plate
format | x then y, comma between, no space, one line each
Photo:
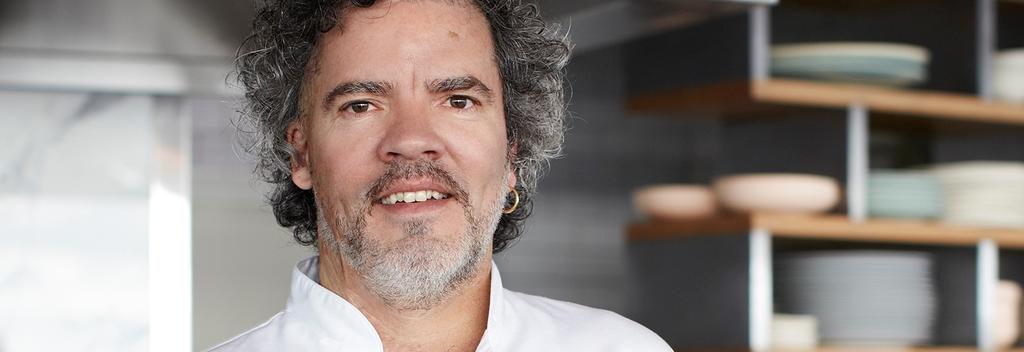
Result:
983,193
885,64
1008,76
861,297
904,194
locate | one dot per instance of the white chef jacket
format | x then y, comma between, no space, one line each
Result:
316,319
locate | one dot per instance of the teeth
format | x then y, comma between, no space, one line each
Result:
412,197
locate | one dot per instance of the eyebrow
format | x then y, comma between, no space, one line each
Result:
357,87
437,86
461,83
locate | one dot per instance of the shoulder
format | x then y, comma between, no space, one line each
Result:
578,327
262,337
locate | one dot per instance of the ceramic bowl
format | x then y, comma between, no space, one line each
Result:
1008,75
794,332
1008,303
782,193
674,201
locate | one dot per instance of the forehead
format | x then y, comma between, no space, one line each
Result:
432,37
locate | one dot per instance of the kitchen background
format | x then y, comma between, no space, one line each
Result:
131,220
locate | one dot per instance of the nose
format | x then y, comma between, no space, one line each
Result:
411,134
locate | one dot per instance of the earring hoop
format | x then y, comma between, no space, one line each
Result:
515,204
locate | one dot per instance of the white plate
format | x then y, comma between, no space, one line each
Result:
861,49
1010,58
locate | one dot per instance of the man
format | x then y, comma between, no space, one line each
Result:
404,139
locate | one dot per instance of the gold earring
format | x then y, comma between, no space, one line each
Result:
515,205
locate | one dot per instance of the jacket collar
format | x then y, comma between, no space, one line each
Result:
336,317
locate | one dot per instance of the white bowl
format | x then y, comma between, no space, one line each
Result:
675,201
794,332
1008,303
1008,84
1008,75
781,193
1010,58
858,49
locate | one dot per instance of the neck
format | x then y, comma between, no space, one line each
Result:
456,324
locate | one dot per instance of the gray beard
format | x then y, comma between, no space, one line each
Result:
418,271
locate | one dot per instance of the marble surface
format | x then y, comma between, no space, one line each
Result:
73,237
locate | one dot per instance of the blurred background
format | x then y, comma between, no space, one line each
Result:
792,174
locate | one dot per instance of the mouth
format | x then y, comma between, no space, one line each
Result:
415,189
414,193
409,197
413,201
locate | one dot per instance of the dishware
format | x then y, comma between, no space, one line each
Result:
982,193
1008,75
1008,310
904,194
861,297
887,64
674,201
782,193
794,332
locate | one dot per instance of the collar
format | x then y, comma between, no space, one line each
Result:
338,318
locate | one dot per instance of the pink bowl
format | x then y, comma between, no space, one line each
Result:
780,193
674,201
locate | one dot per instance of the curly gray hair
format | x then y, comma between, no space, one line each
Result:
272,64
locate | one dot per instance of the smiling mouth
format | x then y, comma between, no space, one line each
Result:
412,197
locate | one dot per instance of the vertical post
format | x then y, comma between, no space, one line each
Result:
857,162
761,309
760,270
986,30
988,279
760,41
170,229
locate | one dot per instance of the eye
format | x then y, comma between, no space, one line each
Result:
461,102
359,107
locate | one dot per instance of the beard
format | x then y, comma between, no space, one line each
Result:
420,270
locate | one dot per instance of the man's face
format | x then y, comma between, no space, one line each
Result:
405,103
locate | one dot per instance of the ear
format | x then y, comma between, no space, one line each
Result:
301,175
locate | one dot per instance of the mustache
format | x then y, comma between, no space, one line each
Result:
398,170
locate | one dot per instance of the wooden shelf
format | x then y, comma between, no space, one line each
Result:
760,95
902,349
855,349
897,349
830,227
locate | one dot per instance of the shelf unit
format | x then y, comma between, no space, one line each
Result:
898,349
762,93
860,349
759,95
830,227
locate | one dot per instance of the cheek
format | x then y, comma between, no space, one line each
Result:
482,153
341,173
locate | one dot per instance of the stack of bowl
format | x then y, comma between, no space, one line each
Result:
904,195
886,64
983,193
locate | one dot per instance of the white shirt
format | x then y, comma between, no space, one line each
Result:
316,319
